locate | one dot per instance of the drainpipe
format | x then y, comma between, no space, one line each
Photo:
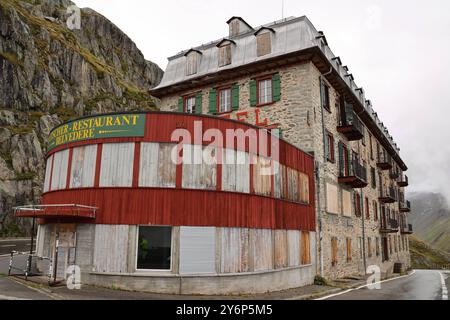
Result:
363,232
319,207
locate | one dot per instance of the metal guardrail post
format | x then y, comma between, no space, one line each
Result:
10,263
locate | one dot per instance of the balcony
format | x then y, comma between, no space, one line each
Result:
389,226
407,229
393,173
403,181
388,195
404,206
384,161
354,176
350,125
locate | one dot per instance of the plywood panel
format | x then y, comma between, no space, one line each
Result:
346,203
60,166
156,166
280,249
82,174
197,250
48,171
235,250
85,246
117,165
111,248
199,167
262,249
235,171
332,198
293,239
306,248
304,187
293,185
262,178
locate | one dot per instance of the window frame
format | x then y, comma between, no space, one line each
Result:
219,90
367,209
326,96
357,205
331,157
269,45
185,100
172,238
258,84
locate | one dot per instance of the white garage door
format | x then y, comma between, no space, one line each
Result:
197,250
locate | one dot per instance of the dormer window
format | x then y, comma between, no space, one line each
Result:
264,41
238,26
224,53
192,60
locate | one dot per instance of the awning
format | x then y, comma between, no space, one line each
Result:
56,211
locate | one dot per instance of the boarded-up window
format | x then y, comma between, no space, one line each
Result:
224,55
305,251
111,248
334,251
263,249
117,165
369,247
235,250
349,249
281,250
199,167
293,185
280,183
377,246
60,166
82,174
346,203
357,205
262,178
263,43
235,171
332,198
156,168
367,209
191,63
48,172
293,239
304,187
375,210
234,27
197,250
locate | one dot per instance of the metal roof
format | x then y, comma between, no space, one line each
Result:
290,35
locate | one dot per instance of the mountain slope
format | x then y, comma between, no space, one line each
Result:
49,74
430,217
425,257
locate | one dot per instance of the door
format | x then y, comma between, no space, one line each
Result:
385,244
63,243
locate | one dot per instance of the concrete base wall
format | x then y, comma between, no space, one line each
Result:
230,284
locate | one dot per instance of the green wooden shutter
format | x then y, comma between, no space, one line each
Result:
235,97
180,105
327,147
349,159
198,103
212,101
276,87
253,101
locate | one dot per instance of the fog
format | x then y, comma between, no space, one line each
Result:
397,50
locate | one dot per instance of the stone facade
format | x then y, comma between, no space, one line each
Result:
299,115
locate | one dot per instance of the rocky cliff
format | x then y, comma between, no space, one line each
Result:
49,74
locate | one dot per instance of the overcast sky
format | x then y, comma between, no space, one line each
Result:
397,50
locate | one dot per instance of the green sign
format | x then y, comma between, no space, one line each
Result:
98,127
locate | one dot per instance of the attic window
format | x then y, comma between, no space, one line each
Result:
225,55
263,44
192,59
234,27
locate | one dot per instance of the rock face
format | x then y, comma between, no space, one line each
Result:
50,74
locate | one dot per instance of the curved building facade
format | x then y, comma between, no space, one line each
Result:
177,203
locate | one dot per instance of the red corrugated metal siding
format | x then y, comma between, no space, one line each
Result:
155,206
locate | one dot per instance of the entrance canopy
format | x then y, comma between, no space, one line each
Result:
56,211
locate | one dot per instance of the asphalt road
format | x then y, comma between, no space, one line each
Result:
422,285
6,246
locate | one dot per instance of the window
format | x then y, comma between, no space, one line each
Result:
377,246
262,182
330,147
191,63
375,210
60,167
369,247
199,167
48,172
371,146
154,248
83,167
373,177
265,91
334,251
263,44
189,104
306,254
235,171
346,203
117,165
357,205
367,209
349,249
344,168
156,166
304,187
224,100
332,198
225,55
363,140
325,96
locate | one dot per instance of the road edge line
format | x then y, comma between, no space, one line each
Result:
366,285
50,295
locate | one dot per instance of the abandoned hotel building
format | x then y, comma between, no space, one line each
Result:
336,206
